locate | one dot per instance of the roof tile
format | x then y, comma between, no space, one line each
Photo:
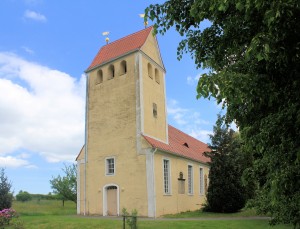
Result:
120,47
177,139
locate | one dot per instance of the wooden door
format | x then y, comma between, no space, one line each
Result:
112,201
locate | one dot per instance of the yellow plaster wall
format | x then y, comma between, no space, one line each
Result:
153,92
151,48
175,203
112,133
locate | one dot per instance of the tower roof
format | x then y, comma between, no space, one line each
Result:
120,47
181,144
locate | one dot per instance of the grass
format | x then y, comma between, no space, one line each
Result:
49,214
199,213
44,207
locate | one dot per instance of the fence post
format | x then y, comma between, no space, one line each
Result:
124,221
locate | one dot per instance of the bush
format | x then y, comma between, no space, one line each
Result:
23,196
6,196
6,215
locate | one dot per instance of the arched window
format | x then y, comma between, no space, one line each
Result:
123,67
99,78
150,74
111,72
157,78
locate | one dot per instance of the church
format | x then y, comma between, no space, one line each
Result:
132,158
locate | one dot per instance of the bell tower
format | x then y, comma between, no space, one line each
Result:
125,102
126,91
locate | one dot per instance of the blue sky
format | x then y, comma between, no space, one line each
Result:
45,46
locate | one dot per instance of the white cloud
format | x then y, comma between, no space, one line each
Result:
193,80
41,110
189,121
28,50
202,135
35,16
12,162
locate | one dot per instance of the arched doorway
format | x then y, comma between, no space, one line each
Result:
111,200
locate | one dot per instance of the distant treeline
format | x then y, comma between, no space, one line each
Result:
26,196
46,196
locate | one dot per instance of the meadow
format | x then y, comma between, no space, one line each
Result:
44,214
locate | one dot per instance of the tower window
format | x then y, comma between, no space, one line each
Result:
150,74
110,166
123,67
111,72
99,78
154,110
157,78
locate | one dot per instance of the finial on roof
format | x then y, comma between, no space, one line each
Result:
106,34
145,22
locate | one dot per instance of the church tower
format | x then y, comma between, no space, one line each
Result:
126,100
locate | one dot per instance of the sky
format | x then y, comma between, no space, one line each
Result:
45,47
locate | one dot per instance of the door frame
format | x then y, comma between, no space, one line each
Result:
105,198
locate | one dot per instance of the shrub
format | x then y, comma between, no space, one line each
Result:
23,196
5,195
6,215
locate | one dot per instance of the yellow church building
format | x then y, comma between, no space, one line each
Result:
132,158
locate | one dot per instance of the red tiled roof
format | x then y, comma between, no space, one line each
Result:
119,47
181,144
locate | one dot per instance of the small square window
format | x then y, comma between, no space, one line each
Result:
154,110
110,166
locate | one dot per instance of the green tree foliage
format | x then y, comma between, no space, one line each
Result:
6,196
225,191
66,186
252,49
23,196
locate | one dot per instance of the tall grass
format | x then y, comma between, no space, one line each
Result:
44,207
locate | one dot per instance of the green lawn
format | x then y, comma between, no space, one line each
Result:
199,213
50,214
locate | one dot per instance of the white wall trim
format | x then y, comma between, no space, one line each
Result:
86,142
137,103
141,91
166,111
151,184
78,187
105,198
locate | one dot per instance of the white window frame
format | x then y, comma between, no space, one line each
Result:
106,166
168,176
201,181
190,179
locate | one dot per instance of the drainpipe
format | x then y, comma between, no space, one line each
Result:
86,139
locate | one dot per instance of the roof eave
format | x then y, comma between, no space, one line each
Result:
182,156
110,60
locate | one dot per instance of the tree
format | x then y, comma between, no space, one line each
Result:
225,191
66,186
252,49
23,196
5,192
